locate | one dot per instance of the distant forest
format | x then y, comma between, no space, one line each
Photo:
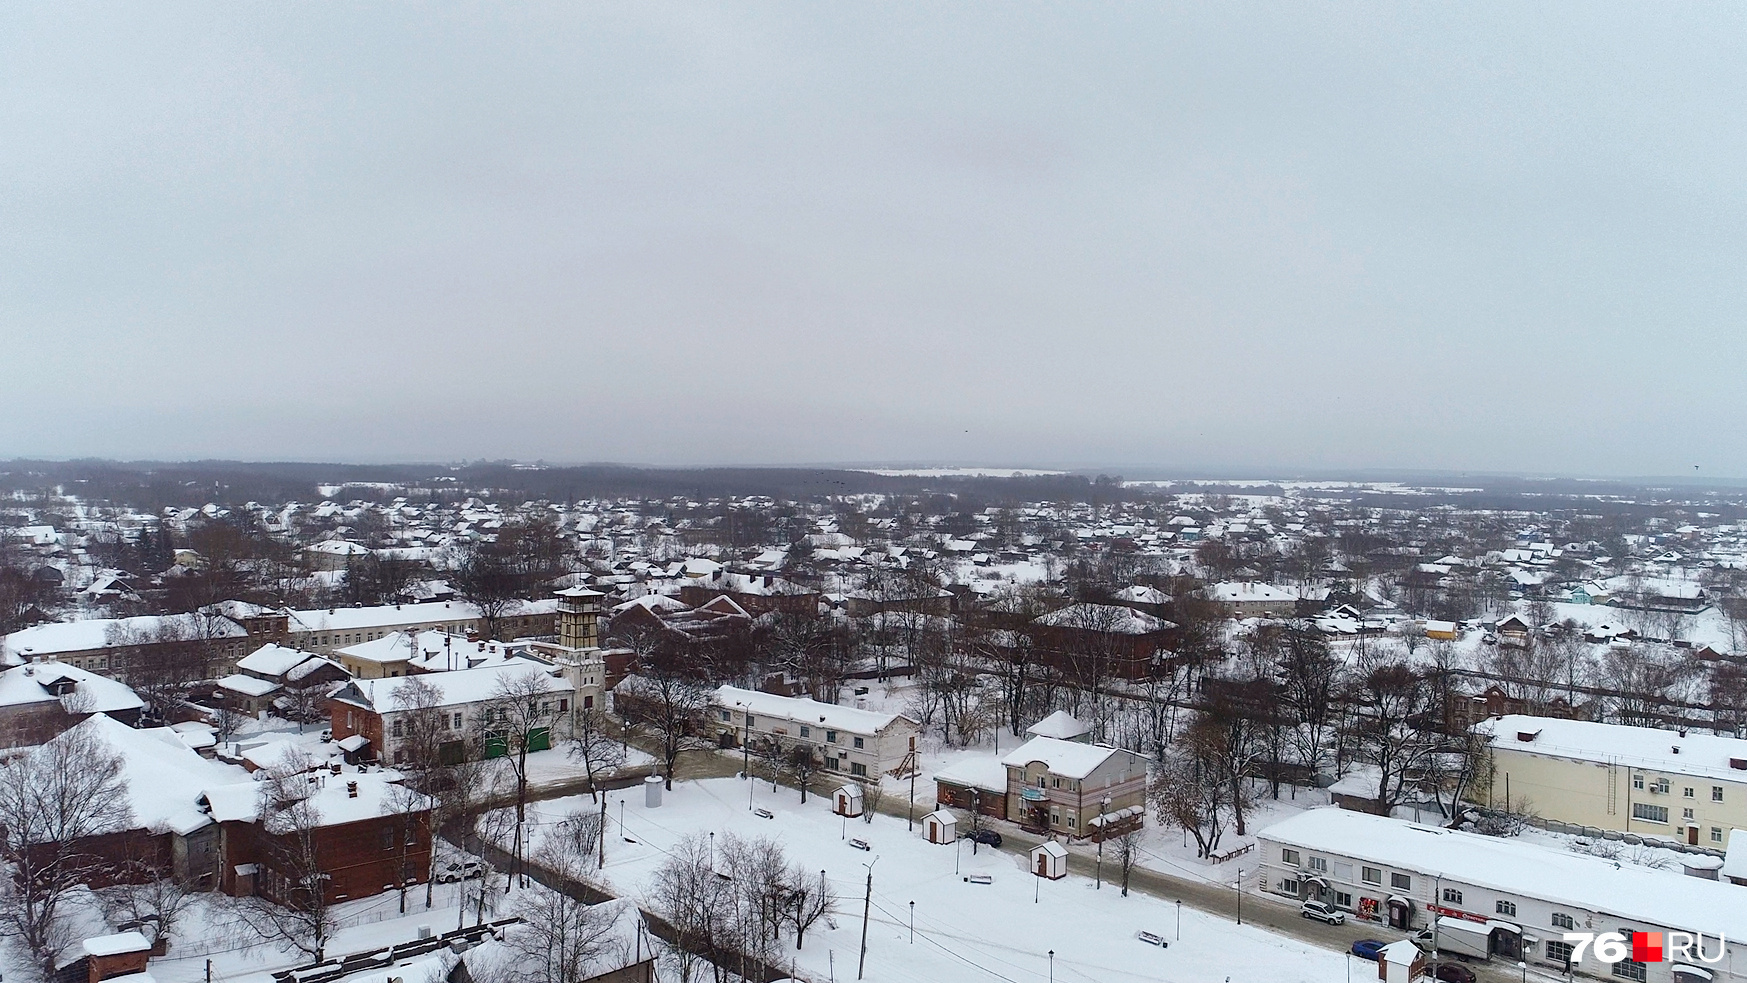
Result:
153,485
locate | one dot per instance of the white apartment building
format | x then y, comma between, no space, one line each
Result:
1511,898
862,743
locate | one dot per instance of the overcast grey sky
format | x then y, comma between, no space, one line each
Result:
1203,236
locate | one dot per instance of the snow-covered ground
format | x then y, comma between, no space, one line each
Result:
964,931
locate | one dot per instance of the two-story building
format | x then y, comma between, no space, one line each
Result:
1659,783
862,743
374,713
1074,789
1499,896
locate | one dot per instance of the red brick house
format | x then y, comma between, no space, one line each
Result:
1091,642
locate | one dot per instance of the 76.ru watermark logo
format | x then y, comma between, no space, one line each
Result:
1644,947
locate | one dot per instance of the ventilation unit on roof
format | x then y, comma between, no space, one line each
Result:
1739,764
1527,736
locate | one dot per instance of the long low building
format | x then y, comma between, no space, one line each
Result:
862,743
1506,897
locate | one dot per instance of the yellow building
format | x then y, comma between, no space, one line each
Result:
1661,783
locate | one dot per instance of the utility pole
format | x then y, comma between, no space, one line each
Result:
603,829
866,902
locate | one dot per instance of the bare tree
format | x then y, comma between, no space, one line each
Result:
1393,730
519,715
872,791
809,899
1190,791
688,894
291,907
148,897
53,800
592,747
1127,852
561,937
803,763
673,703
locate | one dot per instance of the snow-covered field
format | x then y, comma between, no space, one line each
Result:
999,931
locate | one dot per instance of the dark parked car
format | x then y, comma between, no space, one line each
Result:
1368,948
988,836
1452,973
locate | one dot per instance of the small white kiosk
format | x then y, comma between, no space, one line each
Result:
1049,859
940,826
846,801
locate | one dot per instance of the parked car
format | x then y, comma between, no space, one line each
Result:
1368,948
1322,912
1452,973
988,836
460,870
327,735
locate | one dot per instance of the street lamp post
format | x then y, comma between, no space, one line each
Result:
1052,966
1525,968
1179,919
1102,805
1239,885
912,923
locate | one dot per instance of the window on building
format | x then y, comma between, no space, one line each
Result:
457,721
563,706
1070,820
1505,908
830,737
588,703
1686,813
857,768
1289,856
860,743
1716,834
1370,875
726,716
1452,896
1649,813
1343,871
399,755
1319,864
1343,899
397,728
806,731
1686,793
751,721
1562,920
1558,952
1716,793
1637,781
1401,882
1289,886
546,708
1629,969
387,838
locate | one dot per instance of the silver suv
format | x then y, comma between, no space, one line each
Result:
1322,912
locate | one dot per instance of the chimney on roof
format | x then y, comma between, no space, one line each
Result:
351,790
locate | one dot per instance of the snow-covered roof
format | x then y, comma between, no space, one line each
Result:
654,603
1069,759
1236,591
348,797
273,660
382,616
1142,595
1735,860
91,693
1060,725
115,945
244,685
1513,866
804,711
1702,755
458,688
92,634
164,776
976,771
1104,617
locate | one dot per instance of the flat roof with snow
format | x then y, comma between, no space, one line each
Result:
1646,747
1514,867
